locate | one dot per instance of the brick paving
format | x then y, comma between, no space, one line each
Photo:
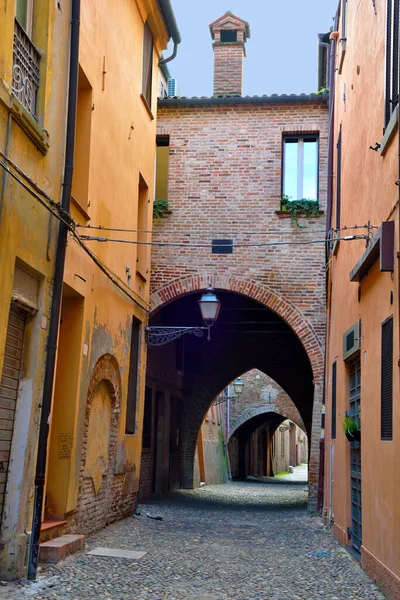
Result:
240,541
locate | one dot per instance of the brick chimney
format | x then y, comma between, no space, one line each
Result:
230,35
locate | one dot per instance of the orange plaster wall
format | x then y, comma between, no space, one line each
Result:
369,193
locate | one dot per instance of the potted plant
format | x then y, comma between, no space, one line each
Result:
351,428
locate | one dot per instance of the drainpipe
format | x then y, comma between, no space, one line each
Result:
330,484
398,207
172,28
331,129
57,293
328,229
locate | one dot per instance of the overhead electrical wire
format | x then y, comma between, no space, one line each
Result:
55,209
88,238
226,232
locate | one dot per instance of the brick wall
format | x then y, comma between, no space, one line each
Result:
225,182
228,68
117,495
261,395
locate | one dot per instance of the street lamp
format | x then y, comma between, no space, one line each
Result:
238,386
158,335
209,307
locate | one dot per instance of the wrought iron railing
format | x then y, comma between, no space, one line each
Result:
26,70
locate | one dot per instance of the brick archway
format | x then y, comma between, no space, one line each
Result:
93,506
256,291
303,329
252,412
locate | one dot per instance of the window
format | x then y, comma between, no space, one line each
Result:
387,380
130,426
343,33
80,181
26,59
24,15
338,177
229,35
162,164
323,60
300,167
142,256
333,415
355,387
147,74
392,58
344,11
147,418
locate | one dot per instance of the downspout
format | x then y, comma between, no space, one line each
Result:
57,292
328,230
331,128
172,28
164,61
398,209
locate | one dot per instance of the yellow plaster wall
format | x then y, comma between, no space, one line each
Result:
122,148
27,235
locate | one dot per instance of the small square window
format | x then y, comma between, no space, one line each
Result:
300,167
229,35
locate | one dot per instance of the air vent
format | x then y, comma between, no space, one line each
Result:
222,246
352,340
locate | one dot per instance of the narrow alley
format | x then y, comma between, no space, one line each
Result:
244,541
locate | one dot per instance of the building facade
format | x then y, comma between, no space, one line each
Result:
94,443
226,175
362,376
96,427
34,53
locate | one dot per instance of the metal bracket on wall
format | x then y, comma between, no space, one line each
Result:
159,335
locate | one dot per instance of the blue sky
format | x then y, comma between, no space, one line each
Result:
281,53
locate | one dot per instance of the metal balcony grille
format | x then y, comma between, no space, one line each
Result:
26,66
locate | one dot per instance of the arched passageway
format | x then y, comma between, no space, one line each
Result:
265,445
188,374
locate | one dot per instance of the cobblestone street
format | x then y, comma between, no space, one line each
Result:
242,541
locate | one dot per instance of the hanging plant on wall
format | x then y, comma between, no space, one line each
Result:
351,428
160,209
299,208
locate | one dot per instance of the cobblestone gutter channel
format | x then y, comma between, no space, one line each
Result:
240,541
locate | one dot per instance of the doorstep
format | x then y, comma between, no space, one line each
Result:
54,550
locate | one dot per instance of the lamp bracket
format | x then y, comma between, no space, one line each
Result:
221,399
159,335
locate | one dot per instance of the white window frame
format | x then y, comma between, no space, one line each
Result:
300,164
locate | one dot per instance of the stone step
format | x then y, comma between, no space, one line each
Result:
51,529
54,550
